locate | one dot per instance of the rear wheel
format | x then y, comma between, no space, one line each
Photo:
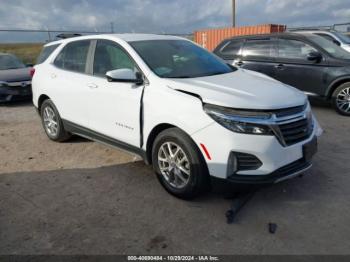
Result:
179,164
52,122
341,99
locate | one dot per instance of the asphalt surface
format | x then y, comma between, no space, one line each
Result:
80,197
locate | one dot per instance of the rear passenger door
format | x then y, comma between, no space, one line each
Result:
69,82
296,70
259,55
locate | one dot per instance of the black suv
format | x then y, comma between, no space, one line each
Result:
306,61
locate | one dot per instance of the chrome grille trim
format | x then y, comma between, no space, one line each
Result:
275,122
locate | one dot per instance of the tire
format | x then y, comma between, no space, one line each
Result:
194,172
341,99
49,116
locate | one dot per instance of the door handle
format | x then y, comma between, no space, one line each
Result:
92,86
280,67
53,75
238,62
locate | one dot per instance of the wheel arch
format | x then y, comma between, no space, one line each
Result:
41,100
335,84
153,135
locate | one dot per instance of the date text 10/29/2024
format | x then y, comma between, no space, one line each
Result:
173,258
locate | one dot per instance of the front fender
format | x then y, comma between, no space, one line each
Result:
163,105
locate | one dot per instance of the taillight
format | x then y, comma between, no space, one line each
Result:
32,72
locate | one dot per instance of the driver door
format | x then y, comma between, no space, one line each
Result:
294,68
114,107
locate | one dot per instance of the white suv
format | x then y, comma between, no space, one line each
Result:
181,108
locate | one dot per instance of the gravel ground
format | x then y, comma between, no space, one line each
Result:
84,198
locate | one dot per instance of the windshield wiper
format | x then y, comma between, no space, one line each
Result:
181,77
195,76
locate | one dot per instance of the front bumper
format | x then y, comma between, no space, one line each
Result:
8,93
278,162
290,171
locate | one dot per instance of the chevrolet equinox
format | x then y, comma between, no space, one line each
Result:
181,108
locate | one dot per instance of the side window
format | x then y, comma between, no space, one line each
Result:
258,48
294,49
328,37
45,53
109,56
73,56
232,48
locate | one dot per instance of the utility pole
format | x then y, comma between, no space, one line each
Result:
112,27
234,13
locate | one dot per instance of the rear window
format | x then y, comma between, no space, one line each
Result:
73,56
232,48
45,53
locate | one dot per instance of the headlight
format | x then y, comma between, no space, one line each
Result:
240,121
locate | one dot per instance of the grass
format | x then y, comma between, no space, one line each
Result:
27,52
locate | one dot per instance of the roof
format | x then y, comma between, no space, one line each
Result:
314,31
125,37
144,37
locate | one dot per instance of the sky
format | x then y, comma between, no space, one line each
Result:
161,16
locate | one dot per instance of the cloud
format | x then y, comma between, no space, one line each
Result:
168,16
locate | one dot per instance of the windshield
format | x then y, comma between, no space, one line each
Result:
179,59
10,62
333,49
344,38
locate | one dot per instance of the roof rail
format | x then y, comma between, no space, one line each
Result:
67,35
314,28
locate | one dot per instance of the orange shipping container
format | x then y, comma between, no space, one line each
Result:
210,38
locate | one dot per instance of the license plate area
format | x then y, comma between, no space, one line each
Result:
310,149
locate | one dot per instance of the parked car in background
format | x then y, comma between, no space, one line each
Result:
337,38
15,78
306,61
182,109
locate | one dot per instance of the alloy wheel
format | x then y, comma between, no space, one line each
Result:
343,100
174,165
50,121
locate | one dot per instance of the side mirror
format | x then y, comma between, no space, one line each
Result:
124,75
314,56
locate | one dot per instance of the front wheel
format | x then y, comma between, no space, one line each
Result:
341,99
179,164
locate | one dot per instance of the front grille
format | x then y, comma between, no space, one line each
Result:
296,132
247,162
290,111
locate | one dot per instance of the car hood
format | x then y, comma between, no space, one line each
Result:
242,89
15,75
346,47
